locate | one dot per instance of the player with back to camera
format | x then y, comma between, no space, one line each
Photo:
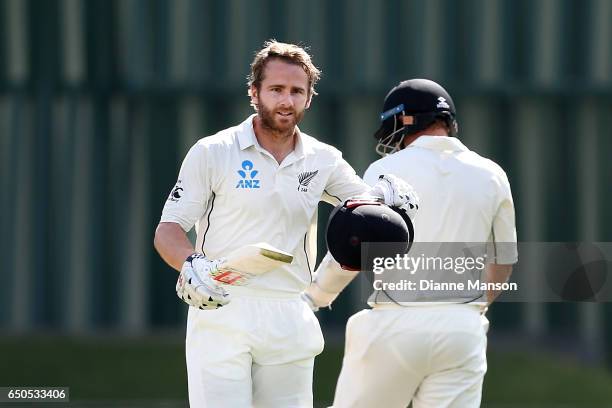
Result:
431,354
259,181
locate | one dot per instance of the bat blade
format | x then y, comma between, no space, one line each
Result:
249,261
276,255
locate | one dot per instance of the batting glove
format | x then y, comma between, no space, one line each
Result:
195,285
397,193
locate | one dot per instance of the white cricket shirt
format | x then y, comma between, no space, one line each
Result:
236,193
464,197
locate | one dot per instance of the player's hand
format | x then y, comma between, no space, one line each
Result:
397,193
195,285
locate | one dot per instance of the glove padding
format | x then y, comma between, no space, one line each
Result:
195,285
396,193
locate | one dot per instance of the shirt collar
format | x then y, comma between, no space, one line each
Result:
246,138
301,145
439,143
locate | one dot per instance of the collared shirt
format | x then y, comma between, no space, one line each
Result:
236,194
464,197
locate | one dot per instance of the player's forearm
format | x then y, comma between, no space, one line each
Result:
330,280
172,244
496,273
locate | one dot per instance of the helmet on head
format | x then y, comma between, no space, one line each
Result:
420,102
360,221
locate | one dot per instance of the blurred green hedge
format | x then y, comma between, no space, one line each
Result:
153,368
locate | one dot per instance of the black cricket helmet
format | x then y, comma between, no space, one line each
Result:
420,102
366,220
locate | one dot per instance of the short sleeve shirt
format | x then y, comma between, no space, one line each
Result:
464,197
235,193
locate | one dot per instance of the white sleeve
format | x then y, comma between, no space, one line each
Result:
189,197
504,227
343,183
329,280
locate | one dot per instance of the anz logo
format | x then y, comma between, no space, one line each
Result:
247,176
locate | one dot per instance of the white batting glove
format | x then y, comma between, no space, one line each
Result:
195,285
396,193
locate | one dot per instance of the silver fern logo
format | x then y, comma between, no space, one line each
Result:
305,178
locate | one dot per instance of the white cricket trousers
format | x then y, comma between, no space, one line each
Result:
434,356
257,351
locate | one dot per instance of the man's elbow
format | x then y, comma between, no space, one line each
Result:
507,271
499,272
158,237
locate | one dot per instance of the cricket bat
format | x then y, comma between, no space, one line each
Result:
249,261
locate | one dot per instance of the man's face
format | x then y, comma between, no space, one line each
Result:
283,96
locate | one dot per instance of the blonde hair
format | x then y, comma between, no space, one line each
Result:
289,53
